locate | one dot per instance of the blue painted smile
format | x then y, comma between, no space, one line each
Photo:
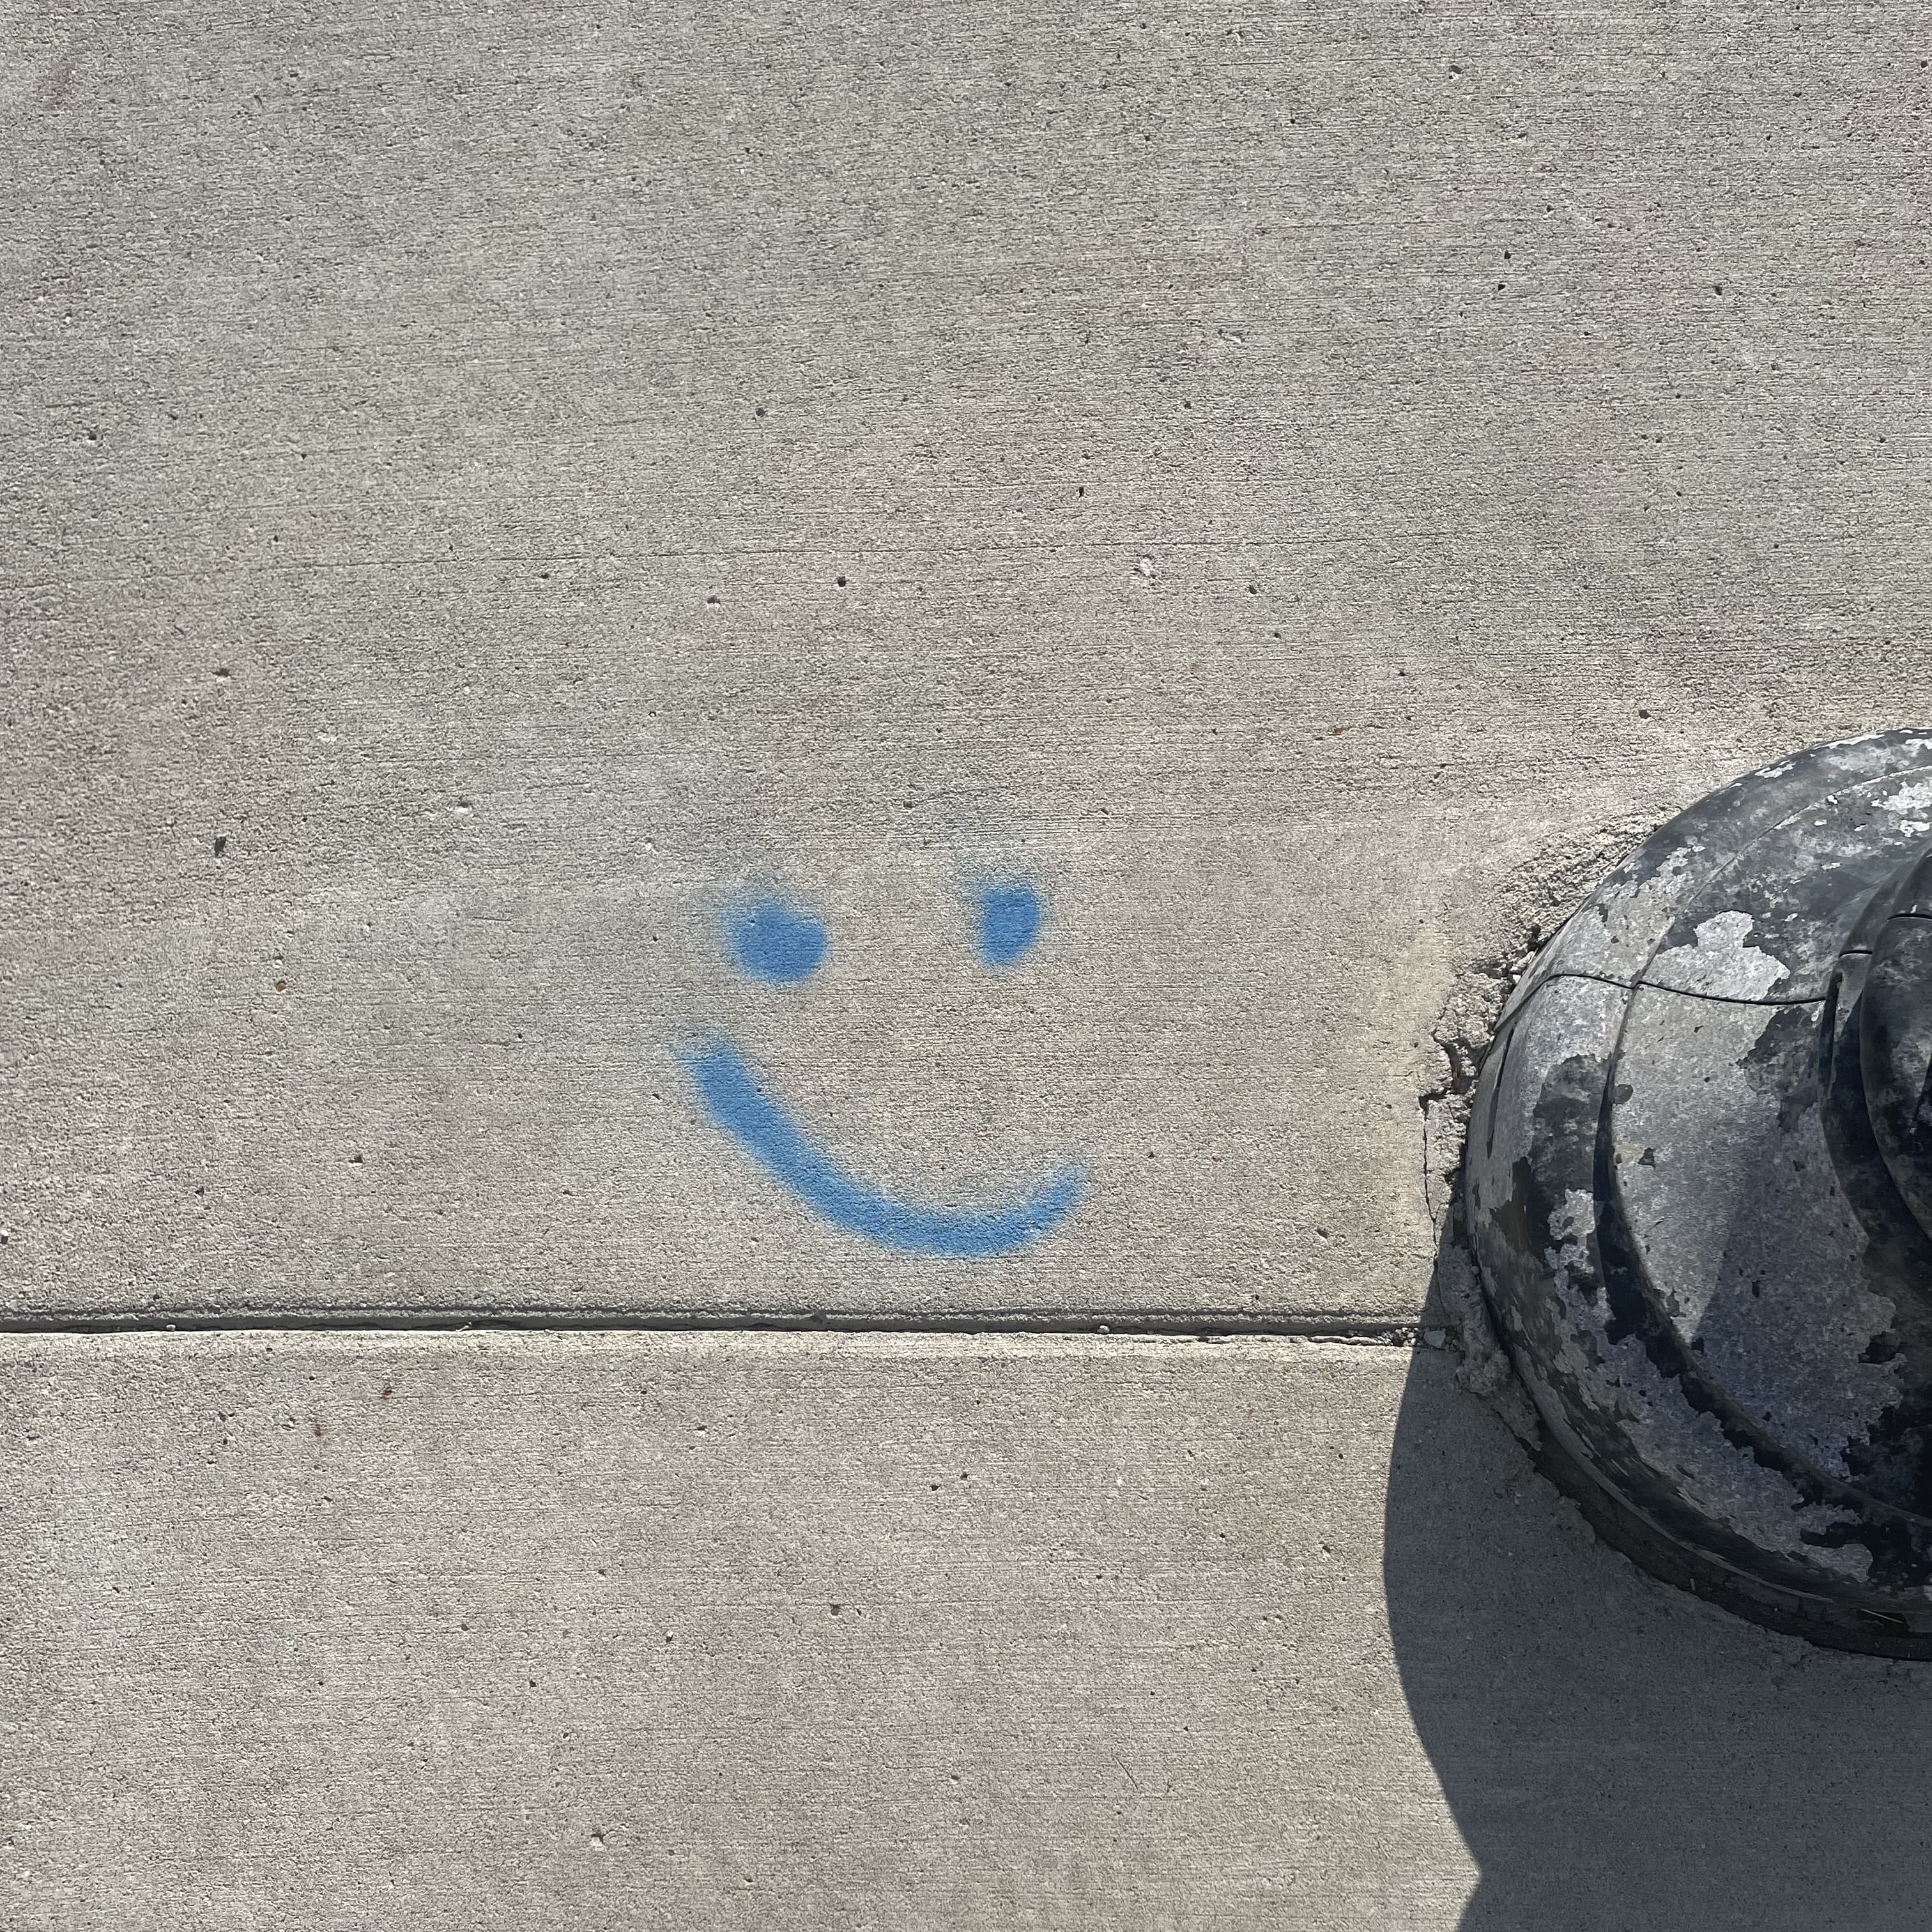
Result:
737,1103
772,943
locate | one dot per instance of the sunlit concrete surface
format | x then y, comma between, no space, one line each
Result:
493,497
523,1630
484,490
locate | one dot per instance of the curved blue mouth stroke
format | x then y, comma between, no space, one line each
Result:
736,1102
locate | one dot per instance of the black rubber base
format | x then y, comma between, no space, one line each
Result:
1734,1365
1829,1625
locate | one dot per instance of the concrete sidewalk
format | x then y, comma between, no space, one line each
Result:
494,495
696,1630
483,493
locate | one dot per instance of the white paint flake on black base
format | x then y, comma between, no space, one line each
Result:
1705,1251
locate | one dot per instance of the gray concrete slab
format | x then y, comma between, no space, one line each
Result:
581,1631
486,488
485,485
532,1630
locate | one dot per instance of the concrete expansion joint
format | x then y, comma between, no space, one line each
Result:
1364,1331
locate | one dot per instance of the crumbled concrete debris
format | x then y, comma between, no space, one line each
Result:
1528,917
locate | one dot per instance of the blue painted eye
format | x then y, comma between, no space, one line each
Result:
1010,917
770,941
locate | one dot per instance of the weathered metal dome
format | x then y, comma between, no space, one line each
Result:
1699,1184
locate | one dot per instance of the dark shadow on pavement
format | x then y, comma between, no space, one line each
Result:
1618,1756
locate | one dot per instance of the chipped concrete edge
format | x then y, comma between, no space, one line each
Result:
1529,912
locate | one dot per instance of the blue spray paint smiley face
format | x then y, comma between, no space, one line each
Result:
775,942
